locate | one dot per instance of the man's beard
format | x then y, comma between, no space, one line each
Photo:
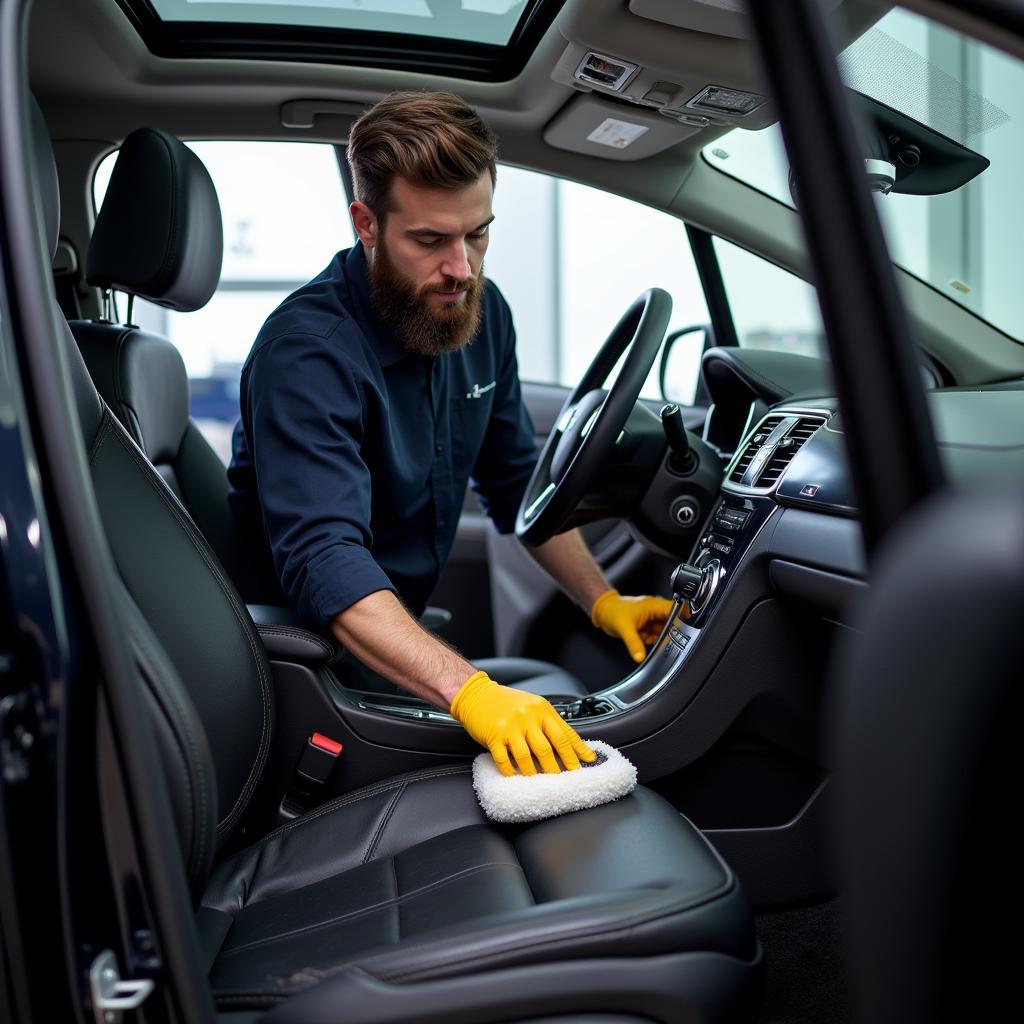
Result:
424,330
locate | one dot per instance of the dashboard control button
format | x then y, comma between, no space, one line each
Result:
684,511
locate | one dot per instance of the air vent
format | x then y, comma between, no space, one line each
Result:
785,448
753,446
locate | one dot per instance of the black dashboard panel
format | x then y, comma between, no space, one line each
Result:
980,436
818,477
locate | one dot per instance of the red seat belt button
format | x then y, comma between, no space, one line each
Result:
326,743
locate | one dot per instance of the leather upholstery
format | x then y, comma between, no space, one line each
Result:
195,612
144,380
159,232
431,890
402,882
286,640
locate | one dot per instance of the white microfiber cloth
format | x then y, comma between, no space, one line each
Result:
533,797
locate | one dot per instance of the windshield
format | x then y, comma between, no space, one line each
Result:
964,243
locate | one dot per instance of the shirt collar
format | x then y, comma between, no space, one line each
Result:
388,348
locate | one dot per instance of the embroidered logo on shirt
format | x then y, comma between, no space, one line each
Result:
478,391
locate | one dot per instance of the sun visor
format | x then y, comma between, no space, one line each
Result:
612,131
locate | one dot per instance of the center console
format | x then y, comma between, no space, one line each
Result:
698,588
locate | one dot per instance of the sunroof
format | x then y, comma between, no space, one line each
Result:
480,21
485,39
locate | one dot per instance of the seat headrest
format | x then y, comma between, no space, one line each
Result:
46,175
159,233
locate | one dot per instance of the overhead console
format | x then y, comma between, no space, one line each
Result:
655,73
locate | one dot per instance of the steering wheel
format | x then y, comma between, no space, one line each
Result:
591,421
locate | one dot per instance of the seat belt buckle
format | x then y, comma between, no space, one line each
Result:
316,762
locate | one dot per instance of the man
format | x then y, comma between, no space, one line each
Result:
369,399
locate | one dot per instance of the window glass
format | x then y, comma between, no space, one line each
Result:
276,237
771,308
570,259
964,242
479,21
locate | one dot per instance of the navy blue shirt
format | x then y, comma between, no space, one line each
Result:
352,455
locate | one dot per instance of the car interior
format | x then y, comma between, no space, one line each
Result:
776,725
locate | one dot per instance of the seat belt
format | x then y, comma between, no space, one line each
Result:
318,757
67,275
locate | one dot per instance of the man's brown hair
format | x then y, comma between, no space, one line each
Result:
432,139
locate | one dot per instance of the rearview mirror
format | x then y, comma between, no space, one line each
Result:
679,371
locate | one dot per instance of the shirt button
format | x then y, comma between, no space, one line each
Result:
439,448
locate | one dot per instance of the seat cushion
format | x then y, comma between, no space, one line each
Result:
406,880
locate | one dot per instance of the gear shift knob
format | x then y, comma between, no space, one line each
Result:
686,582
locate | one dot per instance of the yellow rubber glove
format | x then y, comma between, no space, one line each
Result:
508,721
637,621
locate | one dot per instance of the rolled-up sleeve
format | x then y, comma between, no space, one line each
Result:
509,451
306,420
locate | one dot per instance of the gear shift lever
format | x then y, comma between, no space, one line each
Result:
686,582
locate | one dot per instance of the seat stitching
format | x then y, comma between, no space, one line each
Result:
159,486
119,395
144,662
383,824
393,861
103,431
434,969
360,794
168,692
621,927
226,999
371,908
249,881
294,634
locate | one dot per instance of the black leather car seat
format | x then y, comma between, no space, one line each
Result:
158,236
398,902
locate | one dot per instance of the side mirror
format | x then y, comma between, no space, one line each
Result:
679,372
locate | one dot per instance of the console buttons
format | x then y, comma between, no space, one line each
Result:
732,519
679,638
718,542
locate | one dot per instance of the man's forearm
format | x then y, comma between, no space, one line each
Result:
568,561
387,639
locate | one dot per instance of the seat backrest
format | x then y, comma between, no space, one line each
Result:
200,658
925,723
159,236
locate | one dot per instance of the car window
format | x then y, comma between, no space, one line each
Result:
570,259
963,242
276,237
771,307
